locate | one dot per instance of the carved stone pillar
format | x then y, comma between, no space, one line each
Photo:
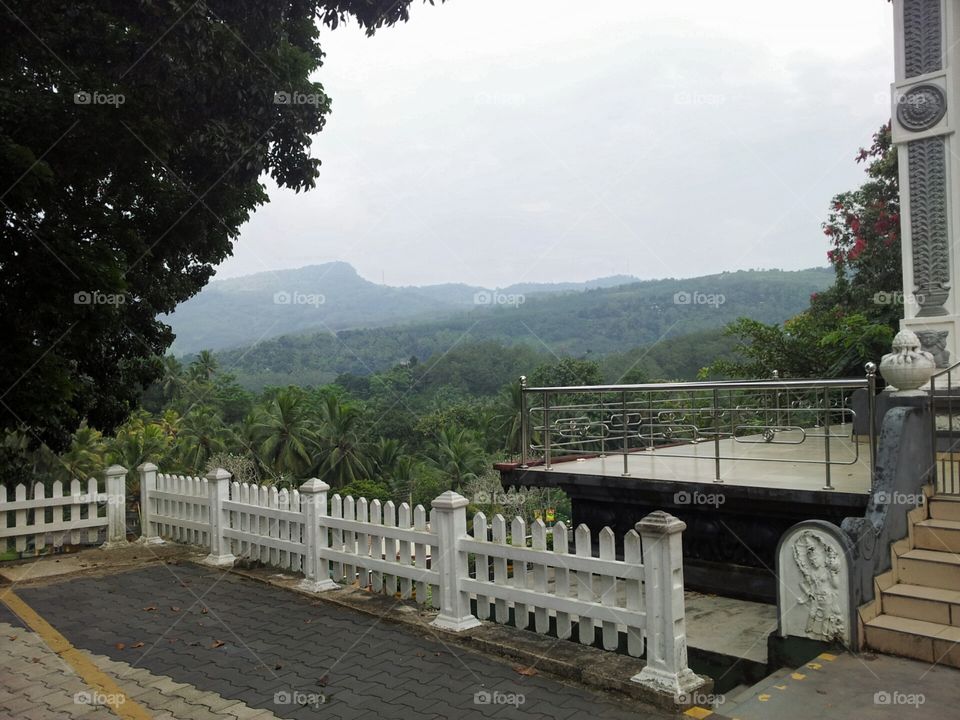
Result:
924,122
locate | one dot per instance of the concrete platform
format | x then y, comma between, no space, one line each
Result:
726,626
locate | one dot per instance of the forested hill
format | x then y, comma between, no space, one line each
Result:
330,297
592,323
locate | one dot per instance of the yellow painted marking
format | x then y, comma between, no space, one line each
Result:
118,702
814,666
780,687
698,712
798,676
763,698
827,656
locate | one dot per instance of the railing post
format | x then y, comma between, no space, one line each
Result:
148,483
716,435
524,423
218,482
871,369
625,431
115,482
316,567
546,430
666,670
449,521
826,437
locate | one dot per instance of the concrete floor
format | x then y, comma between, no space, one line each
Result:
784,464
730,627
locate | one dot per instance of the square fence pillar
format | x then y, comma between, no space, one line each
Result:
449,522
219,484
115,480
316,567
148,483
666,671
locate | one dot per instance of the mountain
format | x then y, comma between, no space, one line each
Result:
592,323
331,297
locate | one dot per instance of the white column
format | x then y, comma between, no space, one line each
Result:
218,481
148,483
115,480
449,521
316,567
925,117
666,670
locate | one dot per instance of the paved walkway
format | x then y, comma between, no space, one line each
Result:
180,641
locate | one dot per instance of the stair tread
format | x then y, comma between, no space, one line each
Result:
922,592
909,626
940,524
945,498
947,558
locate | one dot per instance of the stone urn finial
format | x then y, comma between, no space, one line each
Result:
908,367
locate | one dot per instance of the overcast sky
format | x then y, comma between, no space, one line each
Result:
499,141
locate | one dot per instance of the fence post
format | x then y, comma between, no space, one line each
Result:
666,670
115,481
148,483
316,567
218,482
449,522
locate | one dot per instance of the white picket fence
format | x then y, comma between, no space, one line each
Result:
407,553
71,517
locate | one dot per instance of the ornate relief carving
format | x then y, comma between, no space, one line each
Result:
922,37
928,224
935,343
921,107
819,566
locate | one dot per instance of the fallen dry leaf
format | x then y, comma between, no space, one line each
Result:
521,670
120,646
203,611
174,608
218,643
137,645
150,608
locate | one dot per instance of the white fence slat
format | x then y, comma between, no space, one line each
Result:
4,543
561,578
634,592
403,521
584,582
389,546
482,564
500,568
608,587
538,532
273,526
518,538
21,518
363,544
264,524
349,539
283,527
376,544
39,518
420,550
336,536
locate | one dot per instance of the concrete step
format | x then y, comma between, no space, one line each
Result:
943,535
926,641
945,507
917,602
930,568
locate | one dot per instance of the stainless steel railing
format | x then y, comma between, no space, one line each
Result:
660,417
944,407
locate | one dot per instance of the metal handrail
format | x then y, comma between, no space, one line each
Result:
630,417
945,469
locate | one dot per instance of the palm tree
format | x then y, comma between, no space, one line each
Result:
204,367
287,434
383,457
341,460
509,417
459,456
86,455
201,435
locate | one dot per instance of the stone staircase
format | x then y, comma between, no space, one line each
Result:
916,610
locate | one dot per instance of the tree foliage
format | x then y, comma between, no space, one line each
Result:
133,140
